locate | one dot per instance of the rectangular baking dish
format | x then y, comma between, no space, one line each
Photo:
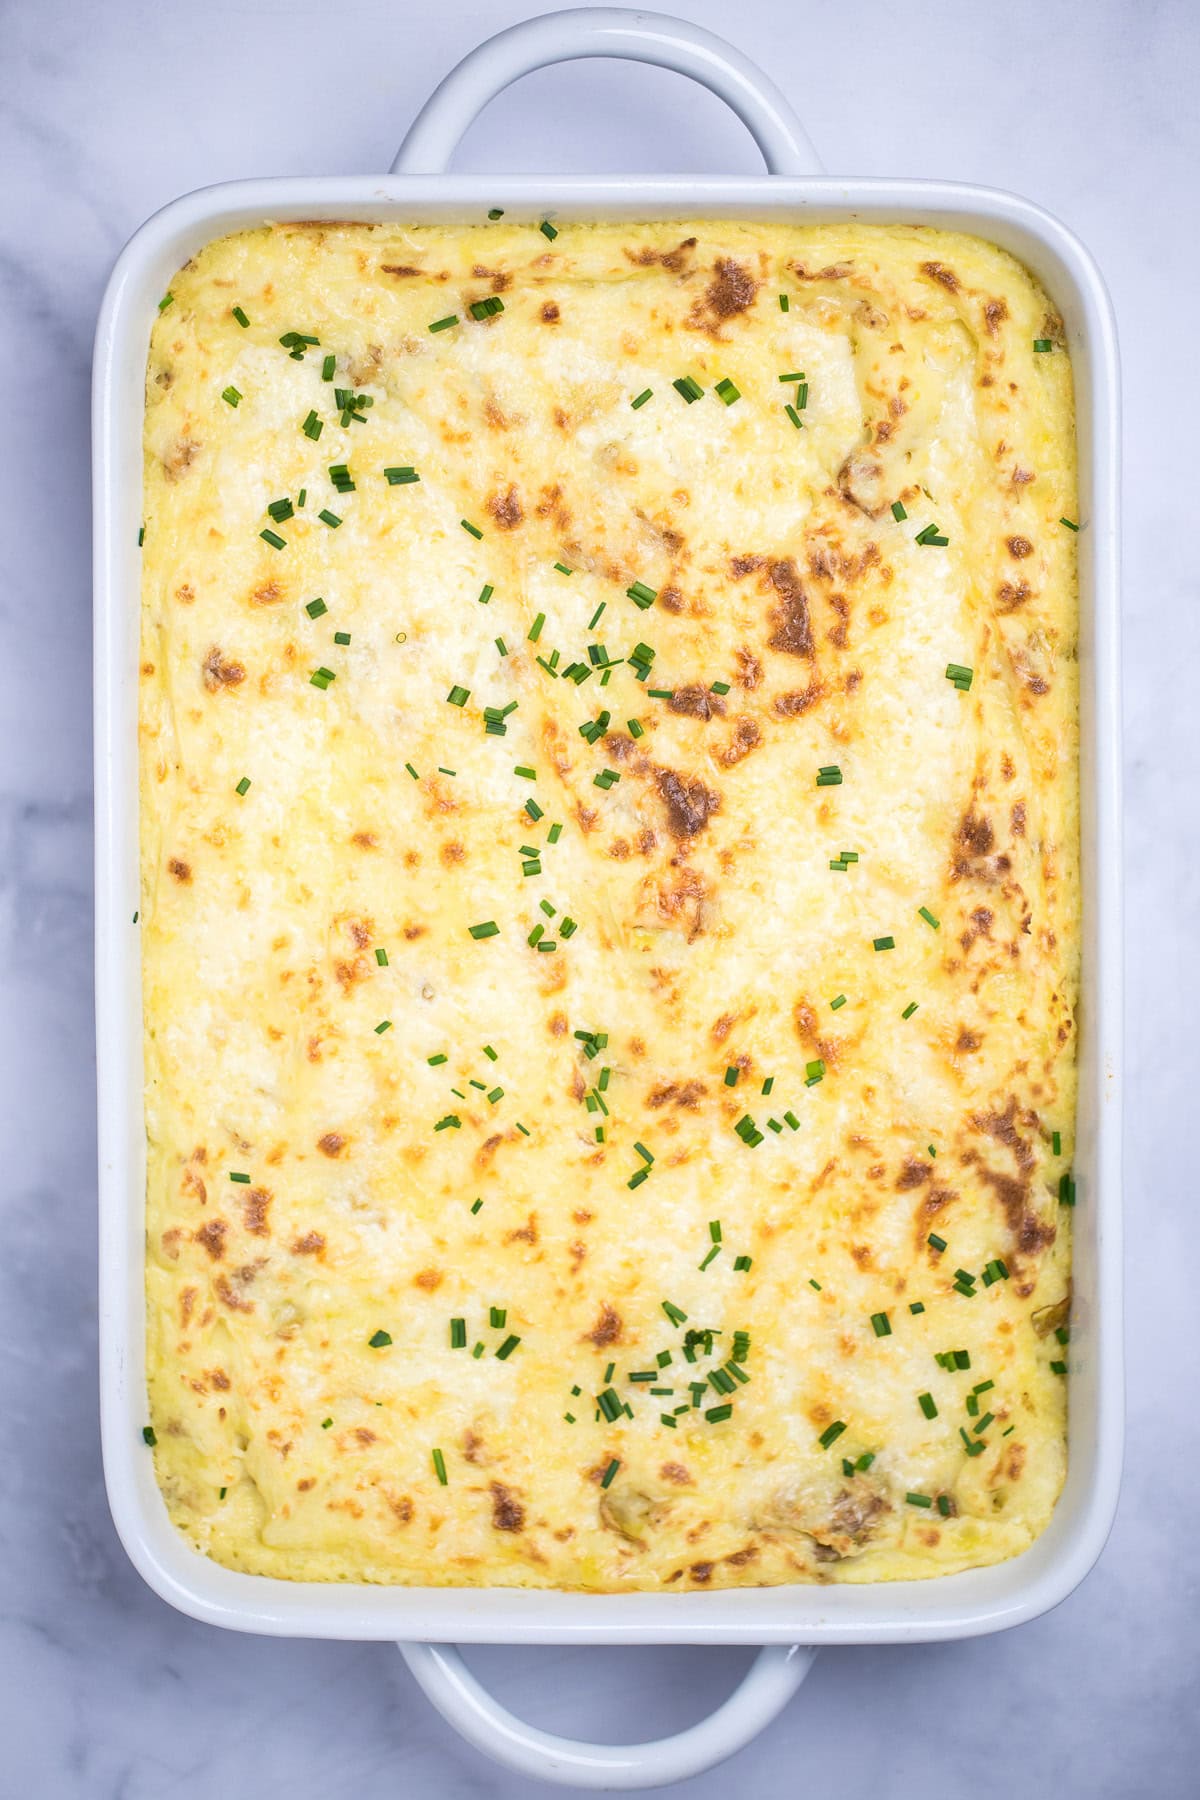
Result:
951,1606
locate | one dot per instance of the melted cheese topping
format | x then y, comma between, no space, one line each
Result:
695,1146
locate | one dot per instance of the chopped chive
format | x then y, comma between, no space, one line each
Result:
380,1341
548,230
881,1325
883,943
381,956
236,1175
688,387
535,630
149,1436
794,416
923,912
507,1347
676,1314
458,1334
241,318
383,1025
488,929
444,324
533,809
1069,523
961,676
783,302
928,1405
341,637
830,776
1066,1188
935,1242
315,608
554,833
715,1414
328,366
562,568
231,396
273,538
790,1119
918,1499
243,786
742,1264
1056,1143
646,394
473,529
726,391
917,1306
909,1010
312,427
476,1205
929,535
403,475
328,518
485,309
412,771
458,696
814,1072
141,536
898,511
165,302
322,677
731,1075
1041,345
838,1001
439,1467
831,1434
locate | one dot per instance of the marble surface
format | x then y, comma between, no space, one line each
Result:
106,112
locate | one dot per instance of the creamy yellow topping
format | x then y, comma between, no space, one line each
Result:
697,1133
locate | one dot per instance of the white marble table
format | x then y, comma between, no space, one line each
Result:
108,108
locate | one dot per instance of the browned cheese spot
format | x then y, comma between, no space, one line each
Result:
793,627
507,1512
689,803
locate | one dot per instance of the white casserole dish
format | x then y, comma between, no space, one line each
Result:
782,1617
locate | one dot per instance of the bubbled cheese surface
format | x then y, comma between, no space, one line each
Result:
366,1123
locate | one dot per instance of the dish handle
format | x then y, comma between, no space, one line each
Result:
606,31
764,1691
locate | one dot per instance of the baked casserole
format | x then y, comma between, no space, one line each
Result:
609,903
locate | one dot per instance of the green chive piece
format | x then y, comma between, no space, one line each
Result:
383,1025
688,387
507,1347
533,809
1056,1143
535,630
783,302
923,912
236,1175
328,518
917,1306
273,538
1041,345
829,776
458,696
731,1075
814,1072
676,1314
726,391
315,608
231,396
444,324
918,1499
458,1334
831,1434
165,302
960,676
381,956
488,929
909,1010
1069,523
838,1001
928,1405
401,476
412,772
898,511
473,529
321,678
243,786
883,943
881,1324
935,1242
328,365
439,1467
794,416
561,568
548,230
646,394
312,427
241,318
380,1341
642,596
341,637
